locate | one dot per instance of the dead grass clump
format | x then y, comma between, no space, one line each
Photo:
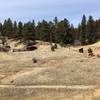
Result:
52,48
55,46
90,52
34,60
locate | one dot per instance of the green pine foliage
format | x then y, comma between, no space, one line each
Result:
83,31
91,30
56,31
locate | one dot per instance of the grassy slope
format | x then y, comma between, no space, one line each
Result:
63,67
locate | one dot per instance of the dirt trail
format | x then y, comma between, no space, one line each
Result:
76,87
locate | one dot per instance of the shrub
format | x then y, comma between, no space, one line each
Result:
90,50
81,50
55,46
34,60
52,48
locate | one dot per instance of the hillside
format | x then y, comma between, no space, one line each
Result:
64,67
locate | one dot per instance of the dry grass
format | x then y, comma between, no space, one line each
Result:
62,67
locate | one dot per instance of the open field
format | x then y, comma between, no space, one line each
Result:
21,79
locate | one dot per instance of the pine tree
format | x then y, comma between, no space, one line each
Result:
20,30
43,31
83,32
78,31
8,28
15,28
63,34
55,34
51,32
72,33
91,32
97,28
29,31
0,29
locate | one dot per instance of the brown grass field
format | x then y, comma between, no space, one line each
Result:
61,75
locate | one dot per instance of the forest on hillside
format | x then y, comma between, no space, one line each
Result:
62,32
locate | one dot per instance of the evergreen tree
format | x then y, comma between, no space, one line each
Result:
63,32
8,28
43,31
0,29
83,32
29,31
52,32
91,32
20,30
72,34
55,34
4,28
97,25
15,28
78,31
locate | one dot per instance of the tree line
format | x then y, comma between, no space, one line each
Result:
87,32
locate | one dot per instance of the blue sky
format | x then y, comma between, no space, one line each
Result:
26,10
